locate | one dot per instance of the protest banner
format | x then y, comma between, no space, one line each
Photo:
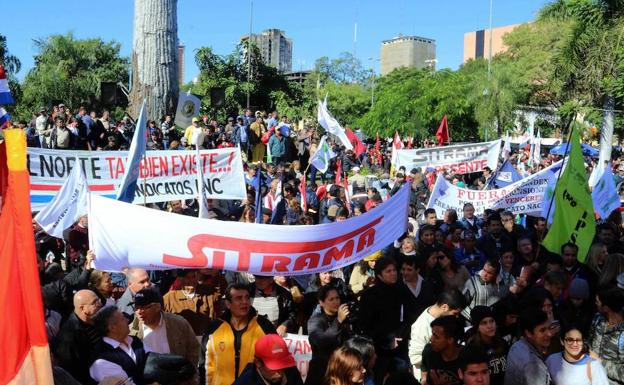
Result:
117,234
458,159
163,176
522,197
299,347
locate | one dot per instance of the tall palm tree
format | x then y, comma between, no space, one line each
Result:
591,63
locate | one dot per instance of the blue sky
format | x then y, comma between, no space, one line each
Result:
318,28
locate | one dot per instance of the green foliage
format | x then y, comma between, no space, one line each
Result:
70,70
266,89
345,69
414,102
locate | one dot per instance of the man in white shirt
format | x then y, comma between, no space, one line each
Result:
450,302
162,332
117,355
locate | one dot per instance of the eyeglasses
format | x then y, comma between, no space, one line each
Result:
572,341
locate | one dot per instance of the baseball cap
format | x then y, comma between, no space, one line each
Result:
273,352
195,120
355,169
147,296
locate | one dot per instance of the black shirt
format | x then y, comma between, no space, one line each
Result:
436,367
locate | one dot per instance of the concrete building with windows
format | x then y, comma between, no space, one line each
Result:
407,51
477,43
275,48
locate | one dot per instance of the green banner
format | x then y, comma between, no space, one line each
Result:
573,220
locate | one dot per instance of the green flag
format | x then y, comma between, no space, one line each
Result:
573,220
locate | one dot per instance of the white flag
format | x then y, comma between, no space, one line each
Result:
201,199
537,149
331,125
320,159
604,193
507,147
68,205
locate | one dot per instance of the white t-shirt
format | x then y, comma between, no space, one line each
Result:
420,336
575,373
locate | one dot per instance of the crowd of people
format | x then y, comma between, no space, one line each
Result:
463,299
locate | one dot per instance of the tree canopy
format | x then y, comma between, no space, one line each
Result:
70,70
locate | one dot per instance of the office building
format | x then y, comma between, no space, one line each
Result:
275,48
181,49
407,51
477,43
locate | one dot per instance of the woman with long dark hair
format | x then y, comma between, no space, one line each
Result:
574,366
327,330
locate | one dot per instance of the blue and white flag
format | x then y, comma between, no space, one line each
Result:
5,92
128,184
504,176
604,193
321,158
68,205
4,117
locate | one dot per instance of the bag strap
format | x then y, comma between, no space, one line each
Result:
589,370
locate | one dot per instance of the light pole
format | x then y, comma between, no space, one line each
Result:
249,50
372,59
489,74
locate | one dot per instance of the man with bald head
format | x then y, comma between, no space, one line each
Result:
77,336
137,279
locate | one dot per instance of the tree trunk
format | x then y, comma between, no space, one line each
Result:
155,58
606,132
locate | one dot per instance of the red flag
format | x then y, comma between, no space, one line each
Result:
304,194
377,143
443,132
397,143
22,325
410,142
358,146
338,172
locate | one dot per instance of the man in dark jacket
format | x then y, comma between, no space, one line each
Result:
77,337
383,316
273,364
495,240
275,303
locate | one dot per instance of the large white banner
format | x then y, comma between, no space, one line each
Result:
124,235
458,159
164,175
522,197
299,347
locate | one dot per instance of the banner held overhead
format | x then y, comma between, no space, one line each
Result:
116,232
459,159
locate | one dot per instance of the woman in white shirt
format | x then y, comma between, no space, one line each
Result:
574,366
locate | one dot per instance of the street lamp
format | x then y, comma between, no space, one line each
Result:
372,59
249,50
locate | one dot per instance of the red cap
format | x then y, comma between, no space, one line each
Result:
273,352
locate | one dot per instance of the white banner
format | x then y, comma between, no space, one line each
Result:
522,197
164,175
124,235
299,347
67,206
458,159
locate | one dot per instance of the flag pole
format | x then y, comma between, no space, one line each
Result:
552,198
